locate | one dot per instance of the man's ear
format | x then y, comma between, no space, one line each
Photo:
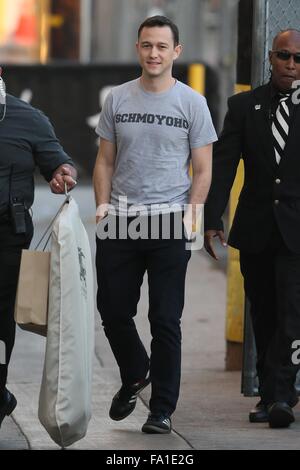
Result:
177,51
271,57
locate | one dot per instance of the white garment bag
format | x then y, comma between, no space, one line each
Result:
65,396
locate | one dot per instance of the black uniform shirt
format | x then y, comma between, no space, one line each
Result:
27,140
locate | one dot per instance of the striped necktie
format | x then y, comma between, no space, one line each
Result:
280,127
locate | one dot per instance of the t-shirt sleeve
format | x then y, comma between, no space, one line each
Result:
47,150
202,131
106,126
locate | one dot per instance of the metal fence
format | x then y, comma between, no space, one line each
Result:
270,17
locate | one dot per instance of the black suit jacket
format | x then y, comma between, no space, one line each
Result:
270,191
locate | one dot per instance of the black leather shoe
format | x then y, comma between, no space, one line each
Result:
280,415
157,424
123,403
259,414
7,406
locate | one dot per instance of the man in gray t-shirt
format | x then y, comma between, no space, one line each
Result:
154,134
150,130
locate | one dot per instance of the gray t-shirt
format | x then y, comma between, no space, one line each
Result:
154,134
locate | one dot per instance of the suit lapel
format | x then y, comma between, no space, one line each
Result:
261,118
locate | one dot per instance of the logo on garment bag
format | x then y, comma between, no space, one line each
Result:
82,271
2,353
257,107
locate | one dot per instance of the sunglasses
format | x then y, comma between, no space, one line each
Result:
285,55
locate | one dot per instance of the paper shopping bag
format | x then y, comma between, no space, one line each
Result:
31,305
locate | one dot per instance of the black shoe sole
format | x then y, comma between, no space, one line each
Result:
280,418
152,429
255,419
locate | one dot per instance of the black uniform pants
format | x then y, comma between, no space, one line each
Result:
11,246
272,284
121,265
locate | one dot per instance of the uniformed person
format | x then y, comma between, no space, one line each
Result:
27,141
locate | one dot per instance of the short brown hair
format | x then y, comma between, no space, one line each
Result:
160,21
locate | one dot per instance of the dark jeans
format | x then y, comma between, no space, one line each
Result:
272,284
11,246
121,265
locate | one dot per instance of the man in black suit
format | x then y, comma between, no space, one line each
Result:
262,126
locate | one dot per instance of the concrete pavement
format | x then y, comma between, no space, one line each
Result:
211,412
